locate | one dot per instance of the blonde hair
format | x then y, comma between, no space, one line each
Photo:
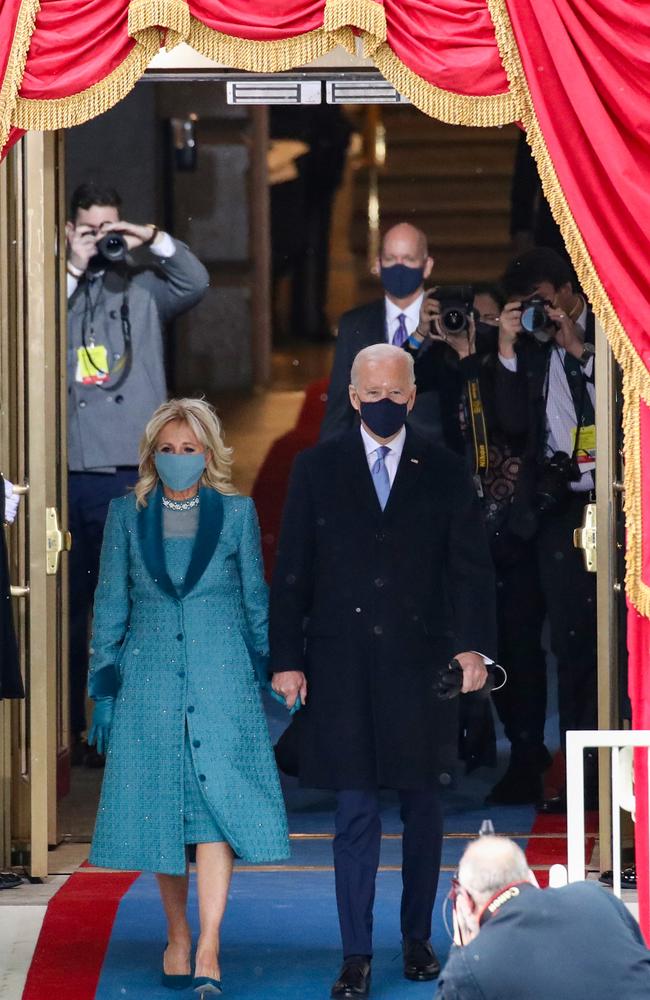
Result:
202,418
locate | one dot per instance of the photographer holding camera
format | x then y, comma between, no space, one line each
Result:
545,377
117,313
513,939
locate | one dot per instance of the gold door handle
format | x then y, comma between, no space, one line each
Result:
20,490
56,541
585,538
19,591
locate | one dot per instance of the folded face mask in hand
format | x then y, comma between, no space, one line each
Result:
283,701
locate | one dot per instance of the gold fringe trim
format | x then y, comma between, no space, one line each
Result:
266,56
636,377
364,14
447,106
66,112
23,31
171,14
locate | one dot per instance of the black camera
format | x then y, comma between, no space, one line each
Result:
535,320
456,305
557,472
112,248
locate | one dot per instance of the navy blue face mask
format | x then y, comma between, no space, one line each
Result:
383,416
401,281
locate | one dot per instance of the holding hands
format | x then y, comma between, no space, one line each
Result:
290,687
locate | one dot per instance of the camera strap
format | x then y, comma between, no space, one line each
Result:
479,427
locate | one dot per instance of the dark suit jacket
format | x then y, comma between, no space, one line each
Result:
11,684
360,328
522,400
578,942
372,604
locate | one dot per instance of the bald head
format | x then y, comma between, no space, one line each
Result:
489,864
405,245
383,360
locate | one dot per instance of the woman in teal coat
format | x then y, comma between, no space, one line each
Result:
178,654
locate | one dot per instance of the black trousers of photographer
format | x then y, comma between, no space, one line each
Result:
570,598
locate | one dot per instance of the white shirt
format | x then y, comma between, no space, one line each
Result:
164,247
412,314
391,458
560,410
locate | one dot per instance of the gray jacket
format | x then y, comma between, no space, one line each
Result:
105,423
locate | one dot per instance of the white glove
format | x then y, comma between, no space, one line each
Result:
11,502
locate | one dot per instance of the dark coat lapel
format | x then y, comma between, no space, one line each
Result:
355,473
408,473
150,534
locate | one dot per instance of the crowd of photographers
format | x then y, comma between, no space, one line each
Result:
505,377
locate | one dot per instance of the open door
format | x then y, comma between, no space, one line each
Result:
33,733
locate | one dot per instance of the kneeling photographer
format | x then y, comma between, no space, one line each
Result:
455,350
118,307
545,378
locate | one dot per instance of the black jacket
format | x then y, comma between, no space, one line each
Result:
372,604
522,396
578,942
11,684
360,328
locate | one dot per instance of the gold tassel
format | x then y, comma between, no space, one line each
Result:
636,377
445,105
365,14
65,112
266,56
171,14
25,23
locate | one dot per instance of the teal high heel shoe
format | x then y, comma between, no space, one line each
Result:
176,982
206,988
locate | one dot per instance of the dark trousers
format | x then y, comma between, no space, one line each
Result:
521,611
357,844
89,494
570,598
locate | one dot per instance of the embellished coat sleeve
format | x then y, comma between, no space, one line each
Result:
112,607
254,591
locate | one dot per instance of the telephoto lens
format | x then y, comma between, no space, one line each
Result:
112,247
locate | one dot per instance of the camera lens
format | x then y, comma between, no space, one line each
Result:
112,247
453,320
533,317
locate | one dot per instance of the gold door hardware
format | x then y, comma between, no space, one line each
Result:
19,490
585,537
618,487
57,541
16,591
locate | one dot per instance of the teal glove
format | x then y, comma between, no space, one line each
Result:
283,701
101,725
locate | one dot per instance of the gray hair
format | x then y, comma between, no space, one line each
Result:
379,353
489,864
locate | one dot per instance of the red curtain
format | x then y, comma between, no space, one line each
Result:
585,103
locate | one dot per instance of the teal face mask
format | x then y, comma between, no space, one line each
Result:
179,472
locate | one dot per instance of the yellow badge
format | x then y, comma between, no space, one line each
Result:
586,450
92,365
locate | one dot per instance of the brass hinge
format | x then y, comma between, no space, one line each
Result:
585,538
56,541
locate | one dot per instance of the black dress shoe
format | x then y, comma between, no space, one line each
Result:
420,961
354,978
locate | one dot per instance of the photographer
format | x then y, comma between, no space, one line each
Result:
117,312
513,939
455,352
545,379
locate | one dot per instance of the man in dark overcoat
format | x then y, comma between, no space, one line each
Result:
383,574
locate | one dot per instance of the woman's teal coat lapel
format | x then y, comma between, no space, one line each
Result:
150,534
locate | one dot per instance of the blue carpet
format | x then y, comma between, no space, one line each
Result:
279,942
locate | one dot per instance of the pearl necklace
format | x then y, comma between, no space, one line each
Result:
181,504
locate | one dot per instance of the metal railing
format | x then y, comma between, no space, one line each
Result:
576,743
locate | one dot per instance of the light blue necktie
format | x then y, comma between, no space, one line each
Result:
401,333
380,476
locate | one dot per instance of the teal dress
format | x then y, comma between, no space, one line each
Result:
180,641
